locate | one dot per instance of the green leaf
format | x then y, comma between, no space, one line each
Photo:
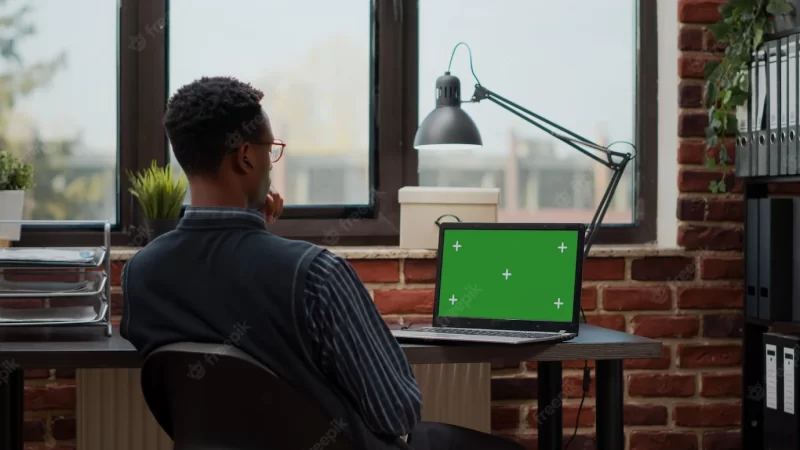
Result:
726,97
720,30
710,163
758,37
710,67
712,186
713,141
721,186
778,7
711,94
723,154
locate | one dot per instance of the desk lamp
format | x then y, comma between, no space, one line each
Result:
448,127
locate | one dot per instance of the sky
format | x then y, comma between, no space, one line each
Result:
572,61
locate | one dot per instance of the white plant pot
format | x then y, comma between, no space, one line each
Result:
11,206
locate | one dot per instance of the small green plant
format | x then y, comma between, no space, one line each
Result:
159,191
743,26
15,175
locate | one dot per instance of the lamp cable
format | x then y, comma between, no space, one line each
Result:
470,60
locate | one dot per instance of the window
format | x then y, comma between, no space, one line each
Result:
312,59
346,84
573,62
59,104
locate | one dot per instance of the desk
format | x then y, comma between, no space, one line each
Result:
90,349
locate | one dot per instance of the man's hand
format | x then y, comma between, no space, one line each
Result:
273,206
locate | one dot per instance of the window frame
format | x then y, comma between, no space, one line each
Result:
142,96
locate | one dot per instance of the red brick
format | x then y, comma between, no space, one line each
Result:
116,272
699,11
692,124
723,325
672,268
663,440
707,415
532,366
420,270
693,237
691,209
22,303
404,301
377,270
783,188
577,364
570,416
690,38
644,415
37,374
39,398
690,95
696,180
612,322
722,440
33,430
710,297
517,388
572,387
63,428
725,210
722,268
721,385
661,385
695,152
693,66
589,298
638,298
602,269
666,326
651,364
504,365
692,356
117,302
505,417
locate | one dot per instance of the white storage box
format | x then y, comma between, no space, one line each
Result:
420,207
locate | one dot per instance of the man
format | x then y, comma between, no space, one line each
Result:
297,308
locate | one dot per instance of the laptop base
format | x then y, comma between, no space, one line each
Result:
480,335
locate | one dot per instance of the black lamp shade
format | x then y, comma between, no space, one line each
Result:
448,127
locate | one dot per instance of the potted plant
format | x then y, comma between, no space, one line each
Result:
160,194
16,177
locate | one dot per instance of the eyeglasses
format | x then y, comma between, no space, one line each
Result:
276,151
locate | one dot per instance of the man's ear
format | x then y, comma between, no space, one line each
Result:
242,160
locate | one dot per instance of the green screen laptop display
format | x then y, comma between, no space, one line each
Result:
508,274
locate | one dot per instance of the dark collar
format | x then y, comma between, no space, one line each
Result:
222,217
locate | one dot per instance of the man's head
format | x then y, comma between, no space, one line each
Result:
222,139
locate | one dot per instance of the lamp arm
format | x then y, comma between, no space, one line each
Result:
575,141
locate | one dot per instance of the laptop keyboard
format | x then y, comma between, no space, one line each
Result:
500,333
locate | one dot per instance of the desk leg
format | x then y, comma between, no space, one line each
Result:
610,434
551,428
12,385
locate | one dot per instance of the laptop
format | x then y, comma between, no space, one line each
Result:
505,283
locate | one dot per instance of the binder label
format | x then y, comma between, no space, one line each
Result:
788,380
772,376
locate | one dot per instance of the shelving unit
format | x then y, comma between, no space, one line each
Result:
768,152
38,273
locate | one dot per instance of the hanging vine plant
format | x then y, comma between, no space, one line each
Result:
743,26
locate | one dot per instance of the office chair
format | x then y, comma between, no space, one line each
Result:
214,397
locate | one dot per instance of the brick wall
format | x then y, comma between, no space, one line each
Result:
690,299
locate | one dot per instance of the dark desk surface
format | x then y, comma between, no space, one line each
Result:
90,348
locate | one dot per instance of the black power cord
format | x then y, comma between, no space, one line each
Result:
587,383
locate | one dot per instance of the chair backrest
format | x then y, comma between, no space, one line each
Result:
214,397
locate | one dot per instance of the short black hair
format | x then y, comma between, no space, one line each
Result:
209,116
